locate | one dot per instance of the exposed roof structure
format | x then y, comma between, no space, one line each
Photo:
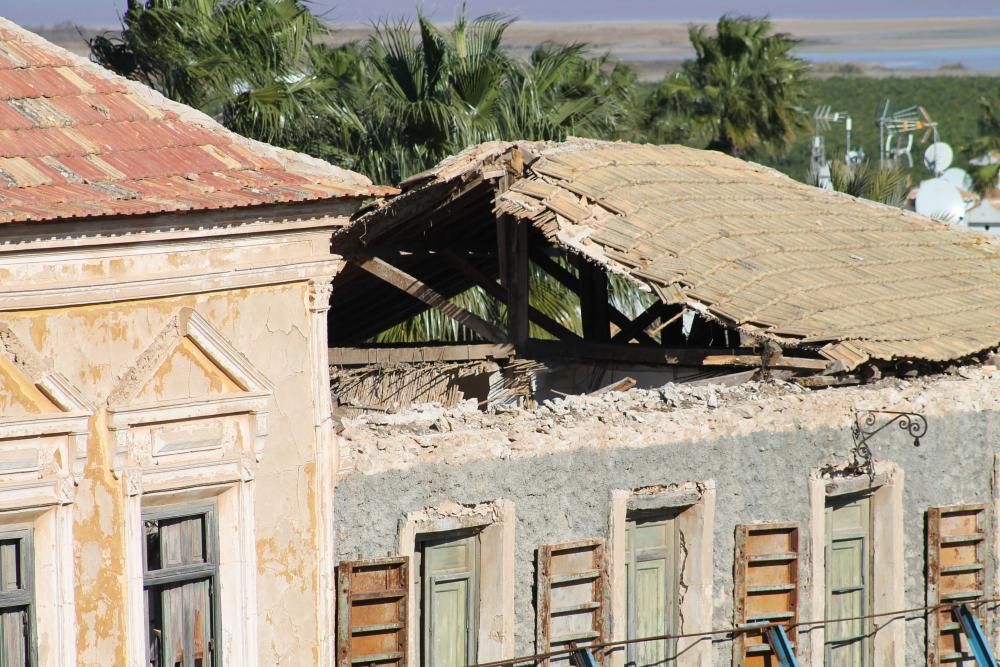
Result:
76,141
741,244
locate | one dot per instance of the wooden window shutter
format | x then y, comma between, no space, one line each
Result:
371,612
570,603
766,587
956,572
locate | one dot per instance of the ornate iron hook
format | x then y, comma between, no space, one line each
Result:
864,430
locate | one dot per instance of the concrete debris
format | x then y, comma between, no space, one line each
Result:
641,417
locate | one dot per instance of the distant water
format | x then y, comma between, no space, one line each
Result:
971,58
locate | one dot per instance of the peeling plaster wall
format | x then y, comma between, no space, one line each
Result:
558,467
94,346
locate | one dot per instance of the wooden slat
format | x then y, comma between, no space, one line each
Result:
371,612
765,586
419,290
594,306
571,593
364,356
515,269
956,572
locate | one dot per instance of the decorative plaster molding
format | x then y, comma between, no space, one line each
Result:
319,295
187,323
71,423
139,464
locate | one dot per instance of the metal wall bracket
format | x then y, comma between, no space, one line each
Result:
866,426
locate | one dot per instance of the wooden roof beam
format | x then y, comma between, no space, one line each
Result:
422,292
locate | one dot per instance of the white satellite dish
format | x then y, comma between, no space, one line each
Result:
937,198
958,177
938,157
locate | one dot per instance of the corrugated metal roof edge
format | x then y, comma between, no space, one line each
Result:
295,162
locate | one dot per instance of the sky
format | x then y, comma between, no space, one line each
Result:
104,13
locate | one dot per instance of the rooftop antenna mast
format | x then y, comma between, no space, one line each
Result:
896,130
824,117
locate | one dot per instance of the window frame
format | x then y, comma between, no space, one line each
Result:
23,597
422,581
178,575
867,574
668,517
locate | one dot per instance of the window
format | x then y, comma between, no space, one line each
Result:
448,598
651,570
848,580
179,577
16,599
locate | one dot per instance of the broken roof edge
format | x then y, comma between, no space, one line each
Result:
292,161
572,237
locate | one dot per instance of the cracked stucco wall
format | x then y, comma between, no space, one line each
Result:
94,346
759,448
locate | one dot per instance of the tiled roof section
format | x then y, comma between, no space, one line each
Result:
765,253
77,141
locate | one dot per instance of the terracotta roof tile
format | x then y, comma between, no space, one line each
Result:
77,141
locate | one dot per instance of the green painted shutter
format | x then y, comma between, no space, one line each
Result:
651,582
450,601
848,581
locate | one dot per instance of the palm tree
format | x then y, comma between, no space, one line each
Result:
431,92
249,63
987,177
885,185
742,92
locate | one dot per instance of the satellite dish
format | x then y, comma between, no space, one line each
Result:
938,157
958,177
937,198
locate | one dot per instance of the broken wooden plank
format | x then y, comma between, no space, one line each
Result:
624,384
798,363
364,356
419,290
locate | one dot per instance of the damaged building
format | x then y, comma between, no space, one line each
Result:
722,450
563,395
165,457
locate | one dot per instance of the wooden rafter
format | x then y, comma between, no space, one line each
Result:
639,324
419,290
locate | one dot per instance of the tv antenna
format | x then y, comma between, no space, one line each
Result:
896,130
824,118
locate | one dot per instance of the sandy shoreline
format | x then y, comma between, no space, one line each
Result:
655,47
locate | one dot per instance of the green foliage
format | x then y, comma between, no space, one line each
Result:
985,177
949,100
249,63
741,94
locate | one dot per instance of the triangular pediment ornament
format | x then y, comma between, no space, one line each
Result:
28,388
187,361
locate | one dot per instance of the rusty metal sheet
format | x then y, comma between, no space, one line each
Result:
765,587
78,142
570,609
956,572
372,600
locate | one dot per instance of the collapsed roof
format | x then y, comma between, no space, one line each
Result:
739,243
77,141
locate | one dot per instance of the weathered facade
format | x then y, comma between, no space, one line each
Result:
164,418
177,486
730,459
755,474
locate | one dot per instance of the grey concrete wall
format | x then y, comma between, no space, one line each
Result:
759,476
